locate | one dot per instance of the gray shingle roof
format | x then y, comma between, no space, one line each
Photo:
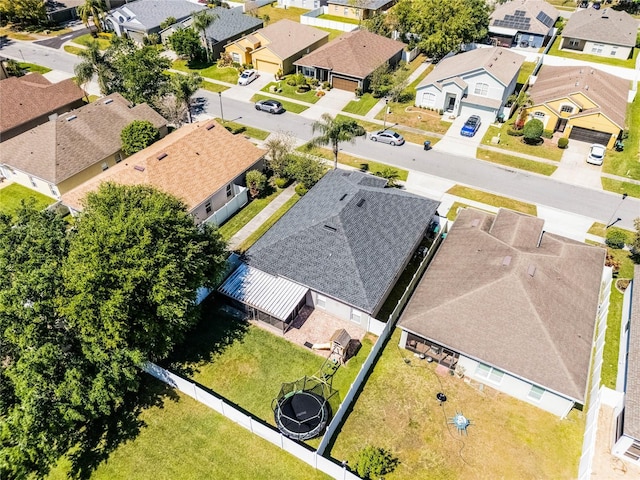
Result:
230,22
347,238
151,13
632,392
367,4
606,26
503,291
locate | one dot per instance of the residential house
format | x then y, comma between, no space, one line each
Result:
360,9
71,148
305,4
584,103
348,61
28,101
477,82
275,47
509,305
522,23
230,25
201,163
626,434
60,11
606,33
340,249
138,19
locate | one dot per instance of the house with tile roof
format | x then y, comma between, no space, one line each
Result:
73,147
28,101
512,306
138,19
522,23
584,103
341,248
476,82
606,33
360,10
202,163
276,46
348,61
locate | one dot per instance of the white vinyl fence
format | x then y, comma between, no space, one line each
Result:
311,18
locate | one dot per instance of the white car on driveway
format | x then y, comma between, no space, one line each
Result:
247,77
596,154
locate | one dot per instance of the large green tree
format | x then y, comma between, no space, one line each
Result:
23,12
138,135
184,88
441,26
94,10
186,43
94,62
333,131
201,21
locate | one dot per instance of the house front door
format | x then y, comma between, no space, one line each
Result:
560,126
451,104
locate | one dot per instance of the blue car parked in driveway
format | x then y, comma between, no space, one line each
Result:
471,126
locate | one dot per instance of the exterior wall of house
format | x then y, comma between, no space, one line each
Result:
572,44
596,121
476,79
238,51
265,60
29,181
607,50
218,47
338,309
306,4
88,173
430,97
550,118
347,12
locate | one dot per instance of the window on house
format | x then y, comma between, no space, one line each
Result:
207,207
356,316
308,71
346,12
566,109
33,182
118,157
321,301
481,89
574,43
429,99
535,393
229,193
336,8
104,166
492,374
539,115
53,190
236,57
597,48
304,2
614,50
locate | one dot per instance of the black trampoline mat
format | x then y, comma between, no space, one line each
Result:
302,412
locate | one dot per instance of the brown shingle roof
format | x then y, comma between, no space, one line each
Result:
498,62
198,162
606,26
286,37
608,91
632,392
23,99
504,16
356,53
504,292
61,148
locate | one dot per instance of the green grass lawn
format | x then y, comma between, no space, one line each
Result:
73,50
600,229
227,74
252,132
494,200
337,18
87,38
525,72
253,238
508,438
627,162
275,14
290,92
411,137
33,68
515,144
362,105
244,216
621,187
13,195
333,34
213,87
184,439
288,106
616,62
515,162
15,34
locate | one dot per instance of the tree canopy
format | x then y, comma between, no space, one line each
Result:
80,310
24,12
186,43
333,131
138,135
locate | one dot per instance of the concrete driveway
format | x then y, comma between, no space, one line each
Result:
575,169
453,142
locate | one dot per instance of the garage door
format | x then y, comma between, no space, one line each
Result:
590,136
345,84
267,67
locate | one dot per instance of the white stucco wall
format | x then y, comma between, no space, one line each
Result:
29,181
607,50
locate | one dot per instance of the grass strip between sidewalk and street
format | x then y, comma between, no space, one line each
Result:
619,186
515,162
244,216
255,236
243,129
600,230
33,68
288,106
492,199
73,50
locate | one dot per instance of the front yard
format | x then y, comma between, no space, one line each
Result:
493,199
13,195
546,150
406,114
616,62
397,409
362,105
104,40
207,70
290,92
515,162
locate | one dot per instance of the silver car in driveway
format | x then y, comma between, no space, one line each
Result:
387,136
596,154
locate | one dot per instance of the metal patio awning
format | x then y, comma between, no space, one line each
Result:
276,296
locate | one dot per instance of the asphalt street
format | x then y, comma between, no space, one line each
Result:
56,42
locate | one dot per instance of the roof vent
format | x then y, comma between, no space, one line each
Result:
506,260
490,65
577,84
72,117
343,197
586,87
162,155
139,168
330,228
475,222
531,270
210,126
360,202
108,101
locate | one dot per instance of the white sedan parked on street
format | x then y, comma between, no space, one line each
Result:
247,77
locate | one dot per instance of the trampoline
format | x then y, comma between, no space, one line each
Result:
302,415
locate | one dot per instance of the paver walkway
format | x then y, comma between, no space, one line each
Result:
262,217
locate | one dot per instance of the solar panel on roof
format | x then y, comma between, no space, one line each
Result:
545,19
520,13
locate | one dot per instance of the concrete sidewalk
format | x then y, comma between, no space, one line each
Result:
262,217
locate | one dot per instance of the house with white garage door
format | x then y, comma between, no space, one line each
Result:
477,82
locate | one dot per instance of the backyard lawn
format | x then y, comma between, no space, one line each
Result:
515,162
492,199
183,439
337,18
275,14
289,91
362,105
288,106
616,62
12,195
397,410
247,364
546,150
226,74
627,162
525,72
244,216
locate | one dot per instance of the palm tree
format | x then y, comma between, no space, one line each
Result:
96,9
184,87
94,62
201,21
332,132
